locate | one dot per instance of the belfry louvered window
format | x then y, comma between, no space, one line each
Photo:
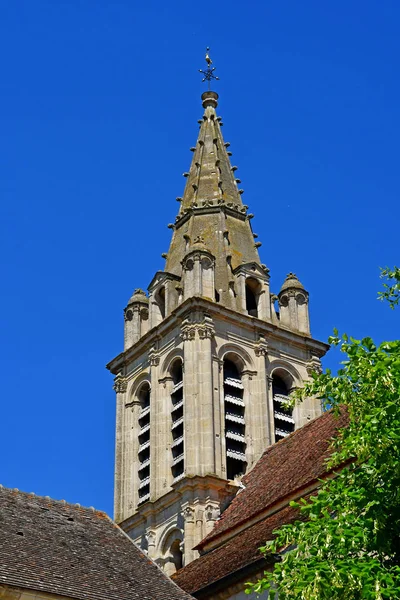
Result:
177,422
234,421
144,443
283,417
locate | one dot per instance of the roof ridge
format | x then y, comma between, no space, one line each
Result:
50,499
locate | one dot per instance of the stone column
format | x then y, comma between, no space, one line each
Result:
190,394
126,444
156,424
262,435
120,388
164,436
221,408
189,535
199,533
294,323
197,276
270,402
242,291
265,308
251,416
302,312
206,454
218,413
151,544
132,326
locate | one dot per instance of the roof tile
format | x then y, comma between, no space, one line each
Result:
51,546
285,469
287,466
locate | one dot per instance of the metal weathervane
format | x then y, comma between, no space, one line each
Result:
209,72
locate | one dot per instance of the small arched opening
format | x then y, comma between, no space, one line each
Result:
177,420
235,441
160,301
283,412
277,308
177,555
143,395
173,555
253,288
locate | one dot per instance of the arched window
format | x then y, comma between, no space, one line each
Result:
253,288
144,442
277,308
173,554
234,421
177,556
283,417
160,301
177,421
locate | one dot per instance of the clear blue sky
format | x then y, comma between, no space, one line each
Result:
98,106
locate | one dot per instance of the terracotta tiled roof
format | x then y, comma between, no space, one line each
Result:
51,546
284,470
239,552
289,465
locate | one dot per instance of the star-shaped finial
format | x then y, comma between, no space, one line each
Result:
209,72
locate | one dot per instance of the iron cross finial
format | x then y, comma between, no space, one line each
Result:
209,72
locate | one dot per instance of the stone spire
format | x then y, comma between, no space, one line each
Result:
211,177
212,207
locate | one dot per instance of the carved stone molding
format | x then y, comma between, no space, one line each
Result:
249,374
261,348
314,366
120,384
212,512
206,331
188,332
154,358
164,380
201,323
188,514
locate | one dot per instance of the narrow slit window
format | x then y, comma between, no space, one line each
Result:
283,412
177,422
144,443
235,440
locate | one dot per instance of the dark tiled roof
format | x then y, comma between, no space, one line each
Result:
55,547
287,466
285,469
241,551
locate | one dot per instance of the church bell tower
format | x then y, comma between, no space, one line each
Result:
210,357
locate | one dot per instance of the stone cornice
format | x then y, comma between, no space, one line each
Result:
151,508
208,207
174,320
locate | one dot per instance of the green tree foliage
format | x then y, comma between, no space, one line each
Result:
348,545
391,291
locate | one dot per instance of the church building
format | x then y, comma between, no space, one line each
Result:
211,354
